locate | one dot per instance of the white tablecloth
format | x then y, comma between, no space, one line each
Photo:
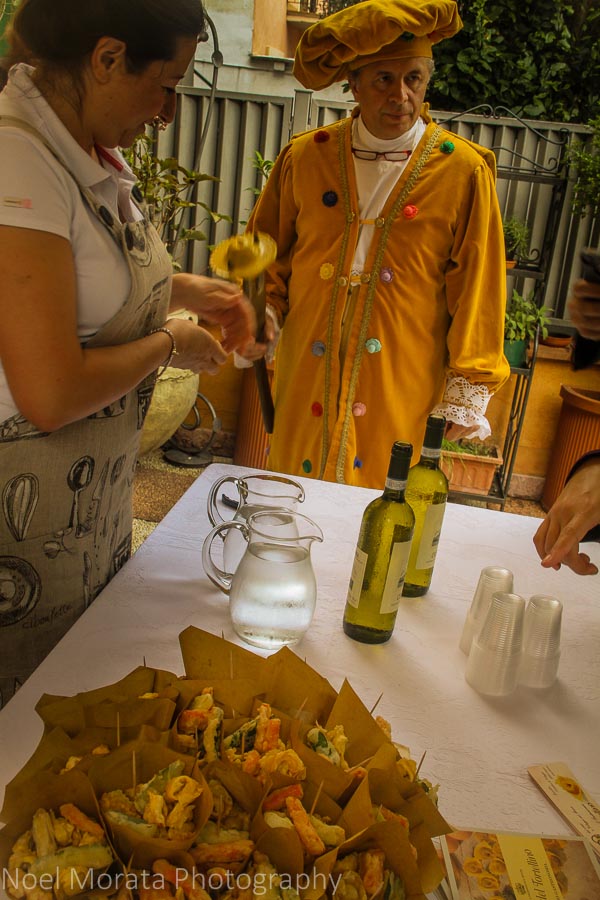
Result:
478,749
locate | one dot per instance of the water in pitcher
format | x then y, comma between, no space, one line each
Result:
272,600
235,542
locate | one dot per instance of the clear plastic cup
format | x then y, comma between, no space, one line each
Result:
491,580
541,642
495,655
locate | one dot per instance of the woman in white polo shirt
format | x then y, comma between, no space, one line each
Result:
85,290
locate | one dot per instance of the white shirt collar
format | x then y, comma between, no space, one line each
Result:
362,137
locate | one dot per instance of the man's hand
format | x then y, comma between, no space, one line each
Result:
573,514
584,308
454,431
257,349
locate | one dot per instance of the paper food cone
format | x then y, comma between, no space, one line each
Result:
234,696
392,838
247,791
295,688
281,845
364,735
335,780
209,658
73,714
398,793
45,791
140,762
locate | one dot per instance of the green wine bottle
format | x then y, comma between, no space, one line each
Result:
381,556
426,492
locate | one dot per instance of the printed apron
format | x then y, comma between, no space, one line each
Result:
66,517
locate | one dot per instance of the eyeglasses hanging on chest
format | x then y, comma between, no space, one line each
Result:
390,156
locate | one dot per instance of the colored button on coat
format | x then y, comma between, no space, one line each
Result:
447,147
316,409
410,211
318,348
372,345
330,198
359,409
357,463
307,466
321,137
326,271
386,275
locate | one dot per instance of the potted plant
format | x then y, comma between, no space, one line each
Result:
523,318
516,240
470,465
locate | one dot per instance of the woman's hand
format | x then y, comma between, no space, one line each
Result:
584,308
573,514
219,303
196,348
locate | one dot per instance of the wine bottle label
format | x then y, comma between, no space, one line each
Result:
430,536
431,453
394,581
357,577
393,484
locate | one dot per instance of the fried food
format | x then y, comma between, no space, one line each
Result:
58,849
163,807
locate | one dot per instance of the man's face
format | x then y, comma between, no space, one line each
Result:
390,94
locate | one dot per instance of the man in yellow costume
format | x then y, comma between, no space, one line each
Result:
390,281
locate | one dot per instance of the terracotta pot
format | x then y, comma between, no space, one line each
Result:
469,472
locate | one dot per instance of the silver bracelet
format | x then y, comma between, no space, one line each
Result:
173,351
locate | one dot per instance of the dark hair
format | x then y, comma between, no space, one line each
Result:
61,34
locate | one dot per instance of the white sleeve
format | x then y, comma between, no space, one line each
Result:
35,191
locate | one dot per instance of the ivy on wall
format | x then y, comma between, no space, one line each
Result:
541,59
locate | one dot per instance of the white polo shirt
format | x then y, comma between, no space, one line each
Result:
36,192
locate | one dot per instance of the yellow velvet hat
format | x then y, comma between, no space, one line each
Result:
369,31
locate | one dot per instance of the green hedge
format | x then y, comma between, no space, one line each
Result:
539,58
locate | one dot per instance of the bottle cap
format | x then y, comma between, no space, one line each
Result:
400,460
401,450
434,431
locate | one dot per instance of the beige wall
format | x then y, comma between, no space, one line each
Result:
543,409
270,28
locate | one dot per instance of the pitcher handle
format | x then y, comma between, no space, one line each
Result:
218,577
213,512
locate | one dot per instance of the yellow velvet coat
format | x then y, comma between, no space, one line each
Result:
353,376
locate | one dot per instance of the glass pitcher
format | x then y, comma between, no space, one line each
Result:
256,492
273,592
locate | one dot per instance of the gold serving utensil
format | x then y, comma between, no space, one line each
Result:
244,258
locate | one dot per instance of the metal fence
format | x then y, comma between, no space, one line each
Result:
221,139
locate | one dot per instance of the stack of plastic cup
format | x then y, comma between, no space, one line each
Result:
541,642
495,655
492,579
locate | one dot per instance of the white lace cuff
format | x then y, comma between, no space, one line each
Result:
465,403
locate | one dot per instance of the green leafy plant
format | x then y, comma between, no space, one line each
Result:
523,317
585,160
537,59
517,237
169,190
264,166
473,447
